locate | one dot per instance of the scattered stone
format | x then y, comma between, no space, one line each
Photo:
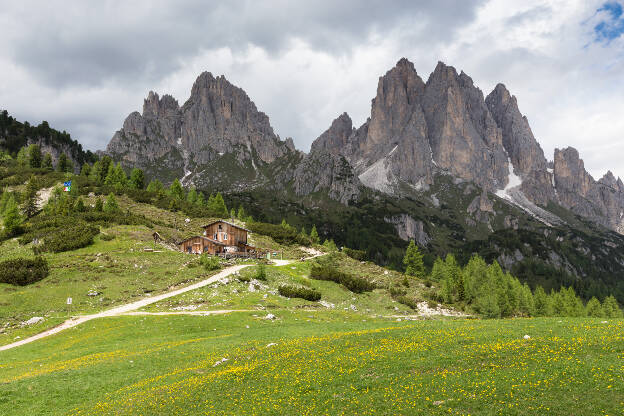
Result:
272,344
527,337
270,316
604,322
32,321
398,319
438,402
221,361
327,304
353,308
93,293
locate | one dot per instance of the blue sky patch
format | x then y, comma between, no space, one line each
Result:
611,25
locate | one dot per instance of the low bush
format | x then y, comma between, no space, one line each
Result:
291,291
359,255
23,271
278,233
407,301
353,283
396,291
71,237
107,237
261,272
210,262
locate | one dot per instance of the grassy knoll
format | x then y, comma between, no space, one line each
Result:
321,363
119,270
244,292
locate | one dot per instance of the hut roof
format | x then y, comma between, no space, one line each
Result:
226,222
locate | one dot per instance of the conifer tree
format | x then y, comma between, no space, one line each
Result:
99,205
111,205
219,207
85,170
611,308
413,261
232,213
30,197
137,179
314,235
22,157
12,218
543,303
155,186
63,163
47,162
192,196
201,201
594,308
176,191
79,206
34,155
241,213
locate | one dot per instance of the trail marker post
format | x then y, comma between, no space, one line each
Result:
69,303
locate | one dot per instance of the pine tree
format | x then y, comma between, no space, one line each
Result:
330,246
192,196
99,205
594,308
34,155
137,179
4,199
176,191
201,201
22,157
413,261
241,213
543,305
47,162
232,213
155,186
439,271
611,308
12,218
314,235
111,205
220,209
63,164
85,170
30,197
79,206
105,163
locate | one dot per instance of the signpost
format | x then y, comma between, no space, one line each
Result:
67,188
69,303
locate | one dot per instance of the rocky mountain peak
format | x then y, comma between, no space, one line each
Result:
609,180
154,107
336,137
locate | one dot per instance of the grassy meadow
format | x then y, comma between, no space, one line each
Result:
325,362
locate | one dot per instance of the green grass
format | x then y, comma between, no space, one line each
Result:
236,294
119,269
322,363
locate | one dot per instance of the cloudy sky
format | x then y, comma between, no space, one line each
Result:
84,66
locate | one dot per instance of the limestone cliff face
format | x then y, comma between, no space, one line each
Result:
217,119
601,201
322,171
464,137
525,153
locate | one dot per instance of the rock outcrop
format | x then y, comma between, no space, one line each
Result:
217,119
601,201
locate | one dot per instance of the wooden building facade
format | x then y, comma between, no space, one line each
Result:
220,238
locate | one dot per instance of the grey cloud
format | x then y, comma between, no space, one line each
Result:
94,43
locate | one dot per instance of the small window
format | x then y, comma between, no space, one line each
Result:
220,227
215,236
225,236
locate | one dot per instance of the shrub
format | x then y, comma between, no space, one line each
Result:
291,291
407,301
359,255
397,291
261,272
210,262
107,237
278,233
23,271
72,237
353,283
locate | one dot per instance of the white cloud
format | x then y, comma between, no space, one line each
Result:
305,67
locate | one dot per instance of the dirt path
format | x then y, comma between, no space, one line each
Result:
124,309
128,309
